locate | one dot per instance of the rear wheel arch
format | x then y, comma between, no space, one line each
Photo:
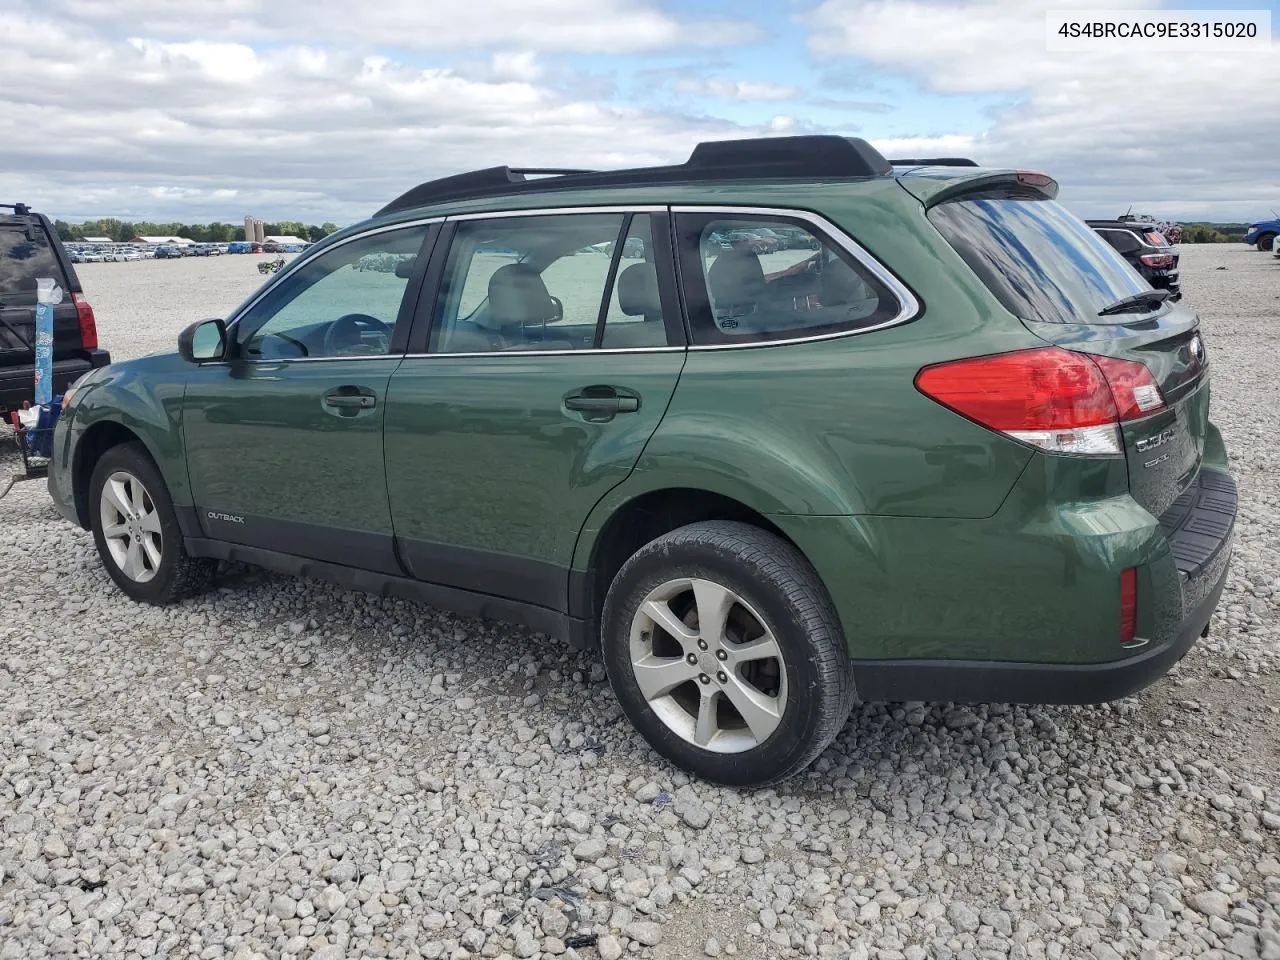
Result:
641,520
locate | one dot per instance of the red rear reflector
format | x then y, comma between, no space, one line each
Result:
1128,604
1055,399
88,325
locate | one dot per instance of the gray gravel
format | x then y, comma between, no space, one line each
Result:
286,769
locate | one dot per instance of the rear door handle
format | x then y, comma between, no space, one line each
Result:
601,402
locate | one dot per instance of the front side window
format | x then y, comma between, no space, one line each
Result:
344,302
756,279
573,281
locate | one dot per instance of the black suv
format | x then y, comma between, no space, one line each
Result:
1144,246
29,250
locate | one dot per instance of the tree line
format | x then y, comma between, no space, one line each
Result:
123,231
1213,232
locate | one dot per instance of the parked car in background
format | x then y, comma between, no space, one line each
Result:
30,250
167,253
959,452
271,248
1263,233
244,246
1146,249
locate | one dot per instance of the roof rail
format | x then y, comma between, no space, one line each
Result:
19,209
935,162
816,156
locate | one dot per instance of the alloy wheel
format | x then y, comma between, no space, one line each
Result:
708,665
131,526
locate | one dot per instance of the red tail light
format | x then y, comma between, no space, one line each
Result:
1156,239
1128,604
88,325
1157,259
1055,399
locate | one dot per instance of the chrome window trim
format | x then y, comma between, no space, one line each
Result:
298,262
909,306
559,211
585,351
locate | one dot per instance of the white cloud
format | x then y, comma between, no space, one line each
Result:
1177,134
146,129
735,89
615,26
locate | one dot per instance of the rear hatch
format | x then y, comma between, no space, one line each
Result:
1072,289
27,253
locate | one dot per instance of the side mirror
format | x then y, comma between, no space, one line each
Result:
203,341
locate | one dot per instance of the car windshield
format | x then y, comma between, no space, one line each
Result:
1040,261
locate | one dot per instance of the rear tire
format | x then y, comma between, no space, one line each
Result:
1265,241
776,650
136,529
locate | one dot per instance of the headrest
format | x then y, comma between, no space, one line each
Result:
736,277
518,296
638,290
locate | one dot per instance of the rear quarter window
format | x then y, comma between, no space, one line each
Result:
26,255
1040,261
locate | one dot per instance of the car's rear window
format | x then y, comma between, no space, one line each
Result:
25,255
1040,261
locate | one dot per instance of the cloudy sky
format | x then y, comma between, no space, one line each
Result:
320,110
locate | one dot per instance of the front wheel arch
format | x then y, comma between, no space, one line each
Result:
97,440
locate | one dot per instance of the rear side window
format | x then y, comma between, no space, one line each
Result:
753,279
1122,240
1041,262
25,255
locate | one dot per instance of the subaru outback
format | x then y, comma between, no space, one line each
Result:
943,444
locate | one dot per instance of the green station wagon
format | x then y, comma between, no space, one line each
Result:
779,428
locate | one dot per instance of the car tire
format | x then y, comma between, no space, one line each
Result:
685,699
136,529
1265,241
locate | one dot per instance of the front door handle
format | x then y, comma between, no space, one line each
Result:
349,400
601,403
342,402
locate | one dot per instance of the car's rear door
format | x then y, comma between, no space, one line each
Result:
551,355
1059,277
284,439
27,253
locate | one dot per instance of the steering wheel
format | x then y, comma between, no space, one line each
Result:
349,330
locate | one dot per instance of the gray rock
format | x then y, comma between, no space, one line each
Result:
609,947
644,932
1211,903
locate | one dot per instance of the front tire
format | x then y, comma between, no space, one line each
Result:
136,529
1265,241
724,651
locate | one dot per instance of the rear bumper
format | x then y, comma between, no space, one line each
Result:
17,383
969,681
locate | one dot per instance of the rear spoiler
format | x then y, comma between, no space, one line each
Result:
933,192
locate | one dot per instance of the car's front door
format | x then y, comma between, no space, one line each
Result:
555,347
284,439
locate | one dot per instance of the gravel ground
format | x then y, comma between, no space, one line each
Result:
286,769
